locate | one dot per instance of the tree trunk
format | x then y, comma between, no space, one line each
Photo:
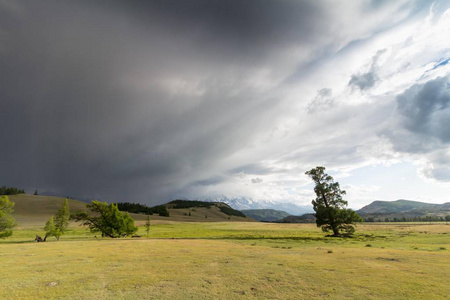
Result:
330,217
335,232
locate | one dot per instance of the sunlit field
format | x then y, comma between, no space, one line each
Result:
230,260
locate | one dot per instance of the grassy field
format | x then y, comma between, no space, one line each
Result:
230,260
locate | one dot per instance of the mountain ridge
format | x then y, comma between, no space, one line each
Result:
398,206
404,210
244,203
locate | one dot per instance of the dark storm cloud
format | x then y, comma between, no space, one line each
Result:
115,99
210,181
251,28
140,100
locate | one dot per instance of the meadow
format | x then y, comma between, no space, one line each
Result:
230,260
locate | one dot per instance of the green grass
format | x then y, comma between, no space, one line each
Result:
228,260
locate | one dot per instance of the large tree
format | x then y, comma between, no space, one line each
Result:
331,212
107,219
7,222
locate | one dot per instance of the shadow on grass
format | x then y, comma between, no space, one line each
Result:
298,238
17,242
324,238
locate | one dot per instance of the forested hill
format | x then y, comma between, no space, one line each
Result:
186,211
193,204
35,210
265,215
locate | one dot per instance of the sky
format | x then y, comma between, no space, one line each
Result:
149,101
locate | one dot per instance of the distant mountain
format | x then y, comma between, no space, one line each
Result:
403,209
306,218
399,206
244,203
266,215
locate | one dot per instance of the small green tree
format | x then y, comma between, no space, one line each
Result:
147,226
107,219
62,217
7,222
35,193
51,230
331,212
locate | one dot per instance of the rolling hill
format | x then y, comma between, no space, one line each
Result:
403,209
32,211
265,215
200,211
390,207
306,218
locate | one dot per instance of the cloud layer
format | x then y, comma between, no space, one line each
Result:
154,100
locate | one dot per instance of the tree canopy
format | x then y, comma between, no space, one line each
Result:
107,219
7,222
142,208
9,190
62,217
57,225
51,230
147,226
331,212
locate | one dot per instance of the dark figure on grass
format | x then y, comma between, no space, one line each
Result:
331,212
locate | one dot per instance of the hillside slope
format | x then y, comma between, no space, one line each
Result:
265,215
401,206
197,211
403,209
389,207
31,210
306,218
